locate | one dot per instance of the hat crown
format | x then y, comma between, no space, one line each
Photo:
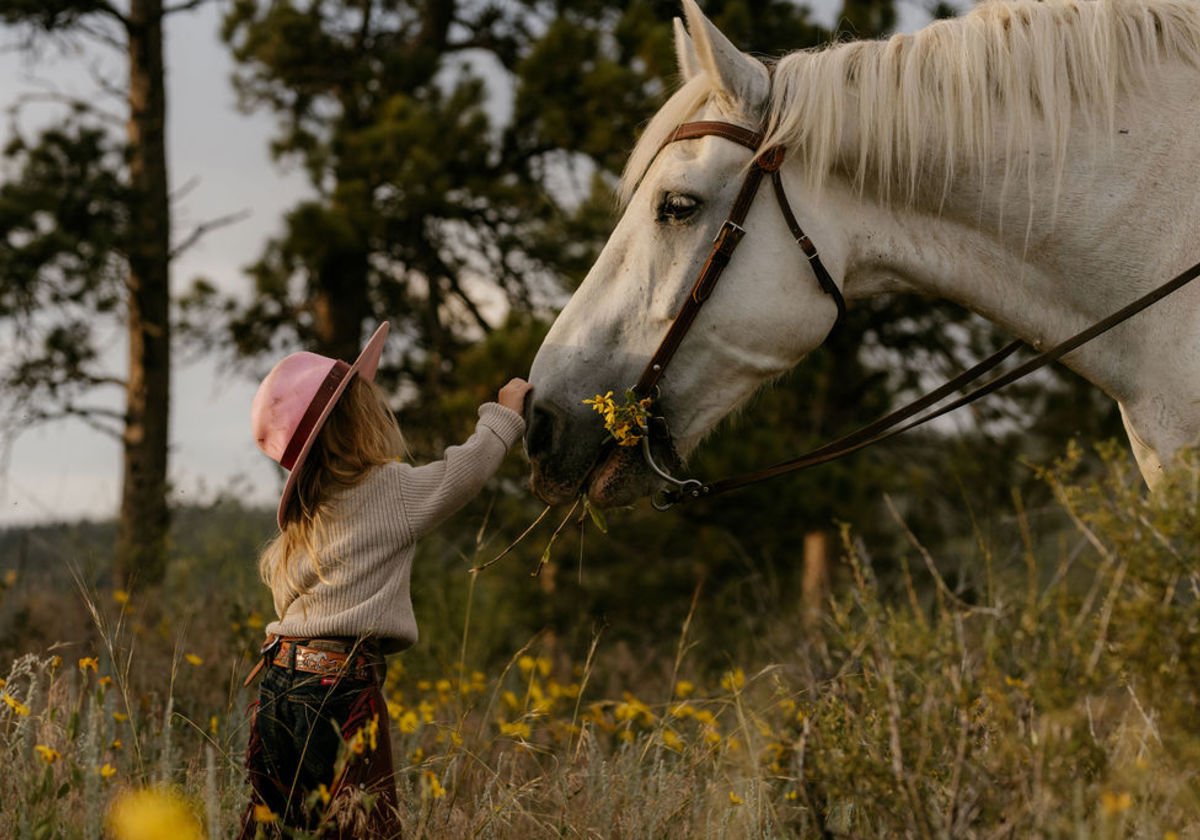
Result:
283,398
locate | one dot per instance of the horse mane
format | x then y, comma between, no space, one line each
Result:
933,100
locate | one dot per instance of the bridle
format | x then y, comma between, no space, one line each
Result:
766,164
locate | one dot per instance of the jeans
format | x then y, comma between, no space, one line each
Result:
319,757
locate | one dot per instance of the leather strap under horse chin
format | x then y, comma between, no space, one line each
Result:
766,163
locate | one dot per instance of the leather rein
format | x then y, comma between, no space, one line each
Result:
766,164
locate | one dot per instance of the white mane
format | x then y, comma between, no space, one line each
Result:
893,113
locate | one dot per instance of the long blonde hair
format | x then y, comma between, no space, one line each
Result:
360,433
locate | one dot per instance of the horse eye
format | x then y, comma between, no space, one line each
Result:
677,207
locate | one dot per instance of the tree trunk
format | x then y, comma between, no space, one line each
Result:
142,530
814,586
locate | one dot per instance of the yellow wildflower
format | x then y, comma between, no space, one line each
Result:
264,814
626,736
106,771
323,793
365,738
212,724
48,754
626,423
683,710
734,799
254,621
121,596
734,680
55,663
791,796
516,729
671,740
193,659
443,686
433,787
151,814
1115,803
424,685
526,663
105,681
89,663
418,755
120,717
16,705
117,744
684,689
408,723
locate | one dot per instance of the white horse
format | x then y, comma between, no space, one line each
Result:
1036,162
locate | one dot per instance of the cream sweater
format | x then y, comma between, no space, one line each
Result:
372,534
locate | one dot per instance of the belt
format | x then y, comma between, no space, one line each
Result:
353,659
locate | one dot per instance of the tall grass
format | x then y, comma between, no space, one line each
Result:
1050,691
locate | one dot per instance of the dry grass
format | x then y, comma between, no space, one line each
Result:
1058,699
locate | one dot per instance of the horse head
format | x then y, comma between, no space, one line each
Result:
766,314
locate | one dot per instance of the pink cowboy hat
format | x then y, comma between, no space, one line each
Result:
297,397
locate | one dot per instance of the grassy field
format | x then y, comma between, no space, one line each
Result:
1050,692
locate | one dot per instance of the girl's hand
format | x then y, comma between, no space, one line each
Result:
513,394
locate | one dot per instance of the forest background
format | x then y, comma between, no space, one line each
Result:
465,224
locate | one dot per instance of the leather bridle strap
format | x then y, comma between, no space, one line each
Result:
727,240
890,425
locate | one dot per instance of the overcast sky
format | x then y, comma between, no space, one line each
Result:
66,470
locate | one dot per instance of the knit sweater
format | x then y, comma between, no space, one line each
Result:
371,534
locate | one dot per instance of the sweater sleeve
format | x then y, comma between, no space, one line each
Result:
433,492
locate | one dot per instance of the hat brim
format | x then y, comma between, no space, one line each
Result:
365,366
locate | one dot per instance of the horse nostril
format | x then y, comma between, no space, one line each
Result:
545,425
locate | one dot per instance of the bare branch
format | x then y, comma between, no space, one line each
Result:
462,295
185,189
112,11
73,102
186,6
205,228
94,381
102,36
88,416
107,87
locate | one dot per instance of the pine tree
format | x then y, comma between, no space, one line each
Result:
86,231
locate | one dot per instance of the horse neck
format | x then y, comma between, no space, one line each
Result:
1042,258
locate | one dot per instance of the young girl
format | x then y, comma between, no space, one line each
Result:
319,756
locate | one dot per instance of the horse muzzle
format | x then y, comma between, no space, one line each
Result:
571,454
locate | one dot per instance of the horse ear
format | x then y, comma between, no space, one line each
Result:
739,77
685,53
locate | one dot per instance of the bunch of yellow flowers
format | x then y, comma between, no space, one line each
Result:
627,422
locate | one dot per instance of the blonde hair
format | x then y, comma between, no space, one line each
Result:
360,433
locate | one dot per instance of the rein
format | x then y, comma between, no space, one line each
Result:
767,164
